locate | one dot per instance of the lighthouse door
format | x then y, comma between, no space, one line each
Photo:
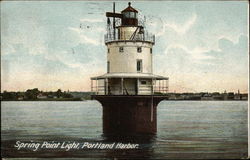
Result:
136,87
130,86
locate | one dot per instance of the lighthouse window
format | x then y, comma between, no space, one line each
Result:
139,65
143,82
126,14
139,49
121,49
108,66
108,50
151,50
130,15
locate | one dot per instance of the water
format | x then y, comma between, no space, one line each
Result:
186,129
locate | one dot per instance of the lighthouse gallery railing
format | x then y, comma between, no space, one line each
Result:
148,37
157,87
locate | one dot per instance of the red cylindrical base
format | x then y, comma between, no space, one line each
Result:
129,114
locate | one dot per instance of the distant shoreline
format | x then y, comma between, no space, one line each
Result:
91,100
37,95
59,99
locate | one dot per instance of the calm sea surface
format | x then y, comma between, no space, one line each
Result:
186,129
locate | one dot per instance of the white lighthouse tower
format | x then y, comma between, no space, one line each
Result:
129,87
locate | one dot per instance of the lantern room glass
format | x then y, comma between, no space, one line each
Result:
130,14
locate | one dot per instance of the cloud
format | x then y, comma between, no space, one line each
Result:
204,69
196,54
91,20
84,38
7,48
182,28
64,70
231,57
160,26
31,36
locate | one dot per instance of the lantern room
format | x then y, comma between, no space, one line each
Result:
129,16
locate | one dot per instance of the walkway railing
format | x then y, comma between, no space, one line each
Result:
109,37
158,88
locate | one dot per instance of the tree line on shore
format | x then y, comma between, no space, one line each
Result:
36,94
59,95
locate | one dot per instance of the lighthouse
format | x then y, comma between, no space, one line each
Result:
129,92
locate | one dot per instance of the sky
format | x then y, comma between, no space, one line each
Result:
202,46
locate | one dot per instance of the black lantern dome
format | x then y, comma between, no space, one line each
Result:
129,16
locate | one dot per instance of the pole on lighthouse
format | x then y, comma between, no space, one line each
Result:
114,19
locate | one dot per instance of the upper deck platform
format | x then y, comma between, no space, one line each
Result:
147,37
130,75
